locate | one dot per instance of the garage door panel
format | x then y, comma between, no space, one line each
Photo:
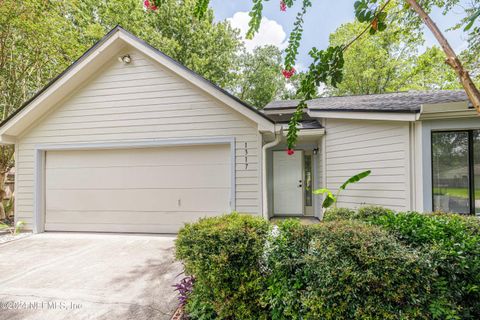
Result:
139,199
136,190
126,217
192,176
99,227
138,157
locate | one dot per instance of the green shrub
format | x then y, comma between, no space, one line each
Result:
345,270
367,212
454,242
224,254
369,264
284,265
339,214
350,214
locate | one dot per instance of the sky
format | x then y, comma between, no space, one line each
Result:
321,20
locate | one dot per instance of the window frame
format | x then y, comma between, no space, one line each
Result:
471,167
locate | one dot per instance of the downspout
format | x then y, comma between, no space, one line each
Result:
278,138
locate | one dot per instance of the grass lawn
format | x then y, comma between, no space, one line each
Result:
456,192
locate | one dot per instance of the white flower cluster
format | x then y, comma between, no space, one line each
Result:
272,235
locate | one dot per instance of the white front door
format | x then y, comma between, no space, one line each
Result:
287,183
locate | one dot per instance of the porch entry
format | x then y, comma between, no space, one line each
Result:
288,183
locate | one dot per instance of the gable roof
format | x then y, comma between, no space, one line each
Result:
402,102
106,48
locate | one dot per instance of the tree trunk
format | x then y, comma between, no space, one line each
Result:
452,59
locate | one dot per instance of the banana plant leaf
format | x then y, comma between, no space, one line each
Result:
329,199
355,179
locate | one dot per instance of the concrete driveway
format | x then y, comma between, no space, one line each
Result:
88,276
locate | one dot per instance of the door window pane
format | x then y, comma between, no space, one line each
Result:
308,180
476,169
450,171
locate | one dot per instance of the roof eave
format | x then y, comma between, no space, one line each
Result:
458,109
365,115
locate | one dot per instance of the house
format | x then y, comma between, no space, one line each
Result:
129,140
412,142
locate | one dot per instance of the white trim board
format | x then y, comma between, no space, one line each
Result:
41,150
390,116
348,114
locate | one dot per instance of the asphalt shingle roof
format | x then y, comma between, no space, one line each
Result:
408,101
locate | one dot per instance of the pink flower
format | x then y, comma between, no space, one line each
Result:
283,6
290,152
150,6
288,73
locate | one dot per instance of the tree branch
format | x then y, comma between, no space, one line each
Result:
368,27
452,59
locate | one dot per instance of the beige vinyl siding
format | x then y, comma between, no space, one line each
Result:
353,146
137,102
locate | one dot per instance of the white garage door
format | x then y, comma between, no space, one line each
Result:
136,190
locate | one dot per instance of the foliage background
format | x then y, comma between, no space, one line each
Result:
370,263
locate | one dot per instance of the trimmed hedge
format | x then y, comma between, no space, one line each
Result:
452,240
345,270
365,264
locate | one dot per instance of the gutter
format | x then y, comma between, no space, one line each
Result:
278,138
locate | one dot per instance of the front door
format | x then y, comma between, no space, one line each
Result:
287,183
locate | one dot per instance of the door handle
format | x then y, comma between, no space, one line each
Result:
300,183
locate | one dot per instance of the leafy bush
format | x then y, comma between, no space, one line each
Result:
367,212
350,214
224,254
346,270
284,266
454,242
367,264
339,214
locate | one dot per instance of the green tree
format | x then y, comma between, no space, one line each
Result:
205,46
36,42
259,79
430,72
389,62
374,64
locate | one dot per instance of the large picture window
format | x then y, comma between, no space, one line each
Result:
456,171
